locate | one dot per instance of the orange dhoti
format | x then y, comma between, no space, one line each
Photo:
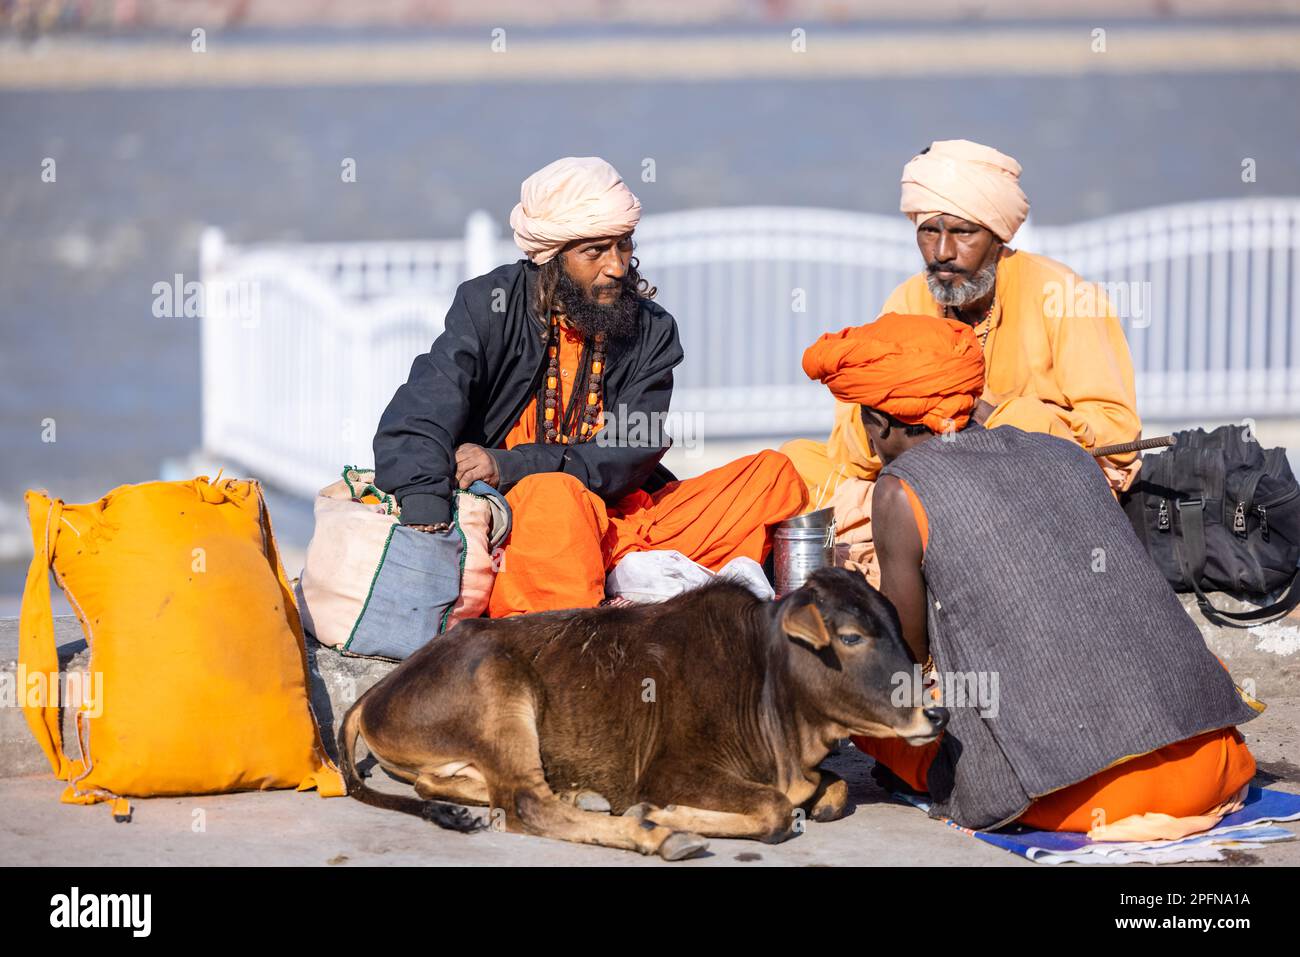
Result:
565,538
1186,779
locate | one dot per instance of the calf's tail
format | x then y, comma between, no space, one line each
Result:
449,816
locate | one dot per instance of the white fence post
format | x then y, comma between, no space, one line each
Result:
213,364
480,244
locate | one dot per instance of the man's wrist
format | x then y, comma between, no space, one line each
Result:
496,466
424,508
511,466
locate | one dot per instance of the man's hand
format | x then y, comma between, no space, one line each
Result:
981,412
473,462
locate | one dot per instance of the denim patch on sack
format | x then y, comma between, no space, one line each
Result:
418,580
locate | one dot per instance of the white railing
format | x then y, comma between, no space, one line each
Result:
293,389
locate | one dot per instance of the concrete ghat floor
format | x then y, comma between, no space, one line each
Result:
288,828
285,828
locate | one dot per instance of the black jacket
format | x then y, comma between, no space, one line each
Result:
481,372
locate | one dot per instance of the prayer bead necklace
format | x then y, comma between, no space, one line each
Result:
986,322
555,426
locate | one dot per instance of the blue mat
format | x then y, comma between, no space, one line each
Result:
1251,827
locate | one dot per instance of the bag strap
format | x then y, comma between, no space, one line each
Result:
1286,602
38,655
1192,559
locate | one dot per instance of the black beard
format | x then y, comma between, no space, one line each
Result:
620,320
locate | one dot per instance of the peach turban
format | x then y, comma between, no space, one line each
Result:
965,179
572,198
919,369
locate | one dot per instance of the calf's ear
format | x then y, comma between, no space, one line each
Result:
804,622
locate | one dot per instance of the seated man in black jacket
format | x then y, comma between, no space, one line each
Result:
551,382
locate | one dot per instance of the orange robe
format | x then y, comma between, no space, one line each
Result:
1056,361
1187,779
565,537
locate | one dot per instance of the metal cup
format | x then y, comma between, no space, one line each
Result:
801,545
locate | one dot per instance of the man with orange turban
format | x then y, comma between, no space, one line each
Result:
988,541
922,373
551,382
1057,358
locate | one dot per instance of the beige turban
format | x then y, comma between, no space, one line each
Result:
578,197
965,179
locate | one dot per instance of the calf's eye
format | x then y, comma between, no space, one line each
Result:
850,638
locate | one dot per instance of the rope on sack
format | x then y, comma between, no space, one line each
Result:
121,807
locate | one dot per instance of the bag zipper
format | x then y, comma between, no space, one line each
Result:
1245,503
1281,499
1262,510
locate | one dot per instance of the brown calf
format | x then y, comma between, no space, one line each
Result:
704,715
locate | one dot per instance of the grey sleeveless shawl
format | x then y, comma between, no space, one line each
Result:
1034,574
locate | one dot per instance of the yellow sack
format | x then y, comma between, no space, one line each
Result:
194,635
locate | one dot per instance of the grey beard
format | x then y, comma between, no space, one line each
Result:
958,295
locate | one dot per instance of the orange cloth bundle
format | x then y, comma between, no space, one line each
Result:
919,369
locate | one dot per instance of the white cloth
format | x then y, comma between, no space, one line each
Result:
660,574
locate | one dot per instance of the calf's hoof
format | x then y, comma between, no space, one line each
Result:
452,817
833,803
680,845
825,813
639,811
586,801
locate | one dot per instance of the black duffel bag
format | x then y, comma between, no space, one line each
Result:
1217,512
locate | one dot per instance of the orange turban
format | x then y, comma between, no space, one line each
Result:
919,369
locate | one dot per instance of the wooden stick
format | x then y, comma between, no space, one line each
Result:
1159,442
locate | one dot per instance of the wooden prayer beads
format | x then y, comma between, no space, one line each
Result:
555,420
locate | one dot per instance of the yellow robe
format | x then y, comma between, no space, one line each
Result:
1056,361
